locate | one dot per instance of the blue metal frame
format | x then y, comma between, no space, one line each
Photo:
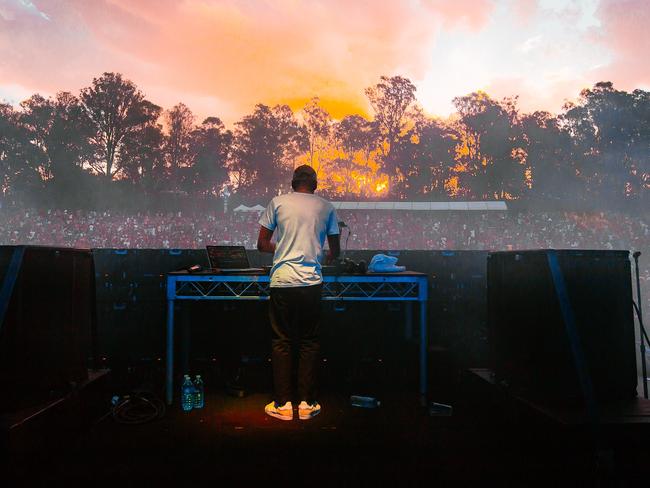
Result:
572,333
11,276
401,287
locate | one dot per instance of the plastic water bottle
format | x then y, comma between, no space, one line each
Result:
187,394
199,397
364,401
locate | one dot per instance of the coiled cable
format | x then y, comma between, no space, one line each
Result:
137,408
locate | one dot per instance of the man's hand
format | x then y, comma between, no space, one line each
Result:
264,243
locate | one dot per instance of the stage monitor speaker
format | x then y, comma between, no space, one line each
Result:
46,317
528,340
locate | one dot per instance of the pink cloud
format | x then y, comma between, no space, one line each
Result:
532,98
525,10
625,32
473,13
229,54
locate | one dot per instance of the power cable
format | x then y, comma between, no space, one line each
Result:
137,408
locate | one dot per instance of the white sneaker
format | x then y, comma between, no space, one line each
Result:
285,412
307,411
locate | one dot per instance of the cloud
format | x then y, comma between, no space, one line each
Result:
230,54
46,55
625,33
472,13
547,94
10,9
525,10
530,44
222,56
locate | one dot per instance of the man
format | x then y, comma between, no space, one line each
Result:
302,221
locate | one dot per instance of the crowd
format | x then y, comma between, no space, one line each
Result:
372,229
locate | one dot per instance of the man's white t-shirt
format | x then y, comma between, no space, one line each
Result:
301,221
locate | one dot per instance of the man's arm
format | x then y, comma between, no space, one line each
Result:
334,242
264,243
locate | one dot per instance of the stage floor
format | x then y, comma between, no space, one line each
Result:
232,441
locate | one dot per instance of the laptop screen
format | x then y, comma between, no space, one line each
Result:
227,257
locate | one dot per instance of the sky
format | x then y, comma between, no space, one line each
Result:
221,57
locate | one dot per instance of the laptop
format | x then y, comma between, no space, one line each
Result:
230,259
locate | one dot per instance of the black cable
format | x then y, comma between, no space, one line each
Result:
339,264
644,335
638,316
138,408
345,249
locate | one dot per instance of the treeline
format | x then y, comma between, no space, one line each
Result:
109,146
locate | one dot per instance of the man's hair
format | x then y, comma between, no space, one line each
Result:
304,175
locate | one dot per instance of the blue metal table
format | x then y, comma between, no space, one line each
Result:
407,287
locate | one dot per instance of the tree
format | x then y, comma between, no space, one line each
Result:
143,157
209,150
548,147
317,123
392,100
611,130
427,154
180,122
116,109
356,134
265,146
488,150
354,168
61,130
19,158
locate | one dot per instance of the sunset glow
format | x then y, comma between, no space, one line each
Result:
221,57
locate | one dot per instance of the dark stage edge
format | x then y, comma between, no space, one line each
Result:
231,441
43,424
630,414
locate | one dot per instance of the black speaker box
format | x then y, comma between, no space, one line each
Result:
46,331
528,339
